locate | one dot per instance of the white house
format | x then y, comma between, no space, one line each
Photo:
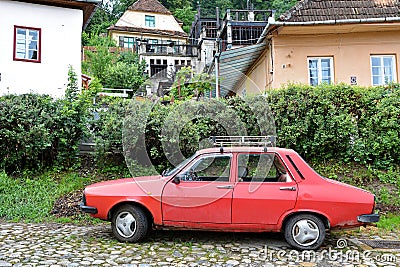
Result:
40,39
153,32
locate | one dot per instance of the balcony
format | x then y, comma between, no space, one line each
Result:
248,15
168,50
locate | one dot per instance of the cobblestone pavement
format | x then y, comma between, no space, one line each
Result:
70,245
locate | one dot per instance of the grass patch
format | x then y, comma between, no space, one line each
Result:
30,198
390,222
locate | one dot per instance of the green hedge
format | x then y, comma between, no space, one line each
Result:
341,122
37,131
110,124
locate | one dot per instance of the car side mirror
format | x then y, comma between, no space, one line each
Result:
176,180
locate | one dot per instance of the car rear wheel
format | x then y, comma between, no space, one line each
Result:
129,223
305,231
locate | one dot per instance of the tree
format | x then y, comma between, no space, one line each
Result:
126,72
186,15
188,84
282,6
114,70
172,5
101,20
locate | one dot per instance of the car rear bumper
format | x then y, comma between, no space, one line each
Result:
88,209
368,218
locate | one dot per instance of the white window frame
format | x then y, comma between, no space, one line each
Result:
22,44
319,69
150,23
129,42
382,75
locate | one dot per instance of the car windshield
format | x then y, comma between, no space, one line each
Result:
179,166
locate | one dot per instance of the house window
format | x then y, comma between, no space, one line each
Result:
129,42
320,70
383,69
158,68
27,44
150,21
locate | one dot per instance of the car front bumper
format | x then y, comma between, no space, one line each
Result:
87,209
368,218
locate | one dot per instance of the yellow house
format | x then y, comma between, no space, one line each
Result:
320,41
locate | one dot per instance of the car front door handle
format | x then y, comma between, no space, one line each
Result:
288,188
225,186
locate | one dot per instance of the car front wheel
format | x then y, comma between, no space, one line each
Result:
129,223
305,231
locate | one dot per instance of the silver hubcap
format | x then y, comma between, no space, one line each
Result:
126,224
305,232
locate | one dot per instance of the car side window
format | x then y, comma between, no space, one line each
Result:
208,168
261,168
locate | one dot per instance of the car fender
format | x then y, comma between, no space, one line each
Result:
326,218
152,208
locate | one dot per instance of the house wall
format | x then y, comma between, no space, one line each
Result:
255,81
61,30
137,19
350,51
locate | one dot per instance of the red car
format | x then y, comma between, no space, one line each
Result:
249,189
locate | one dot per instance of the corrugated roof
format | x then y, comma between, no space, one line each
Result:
235,63
147,30
322,10
153,6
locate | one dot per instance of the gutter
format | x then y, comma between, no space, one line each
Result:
272,22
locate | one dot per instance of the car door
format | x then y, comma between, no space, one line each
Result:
204,193
264,190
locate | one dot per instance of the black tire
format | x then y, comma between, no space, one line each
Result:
305,231
129,223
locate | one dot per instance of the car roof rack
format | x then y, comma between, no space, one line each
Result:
258,141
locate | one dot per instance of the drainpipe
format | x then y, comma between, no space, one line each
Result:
216,66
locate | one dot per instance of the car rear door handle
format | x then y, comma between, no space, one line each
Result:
288,188
224,186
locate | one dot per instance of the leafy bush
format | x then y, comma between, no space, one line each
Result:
188,84
168,133
341,122
37,131
379,126
106,125
114,69
28,125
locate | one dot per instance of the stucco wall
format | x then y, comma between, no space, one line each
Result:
61,45
350,51
137,19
